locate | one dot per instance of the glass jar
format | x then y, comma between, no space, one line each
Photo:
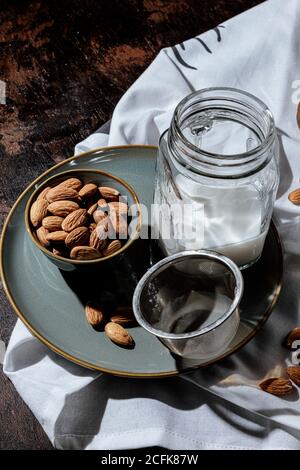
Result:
217,176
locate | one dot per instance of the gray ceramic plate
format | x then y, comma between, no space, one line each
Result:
51,302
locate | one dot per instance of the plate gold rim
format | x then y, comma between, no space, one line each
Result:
87,364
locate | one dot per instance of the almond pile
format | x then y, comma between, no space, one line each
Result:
279,386
113,324
80,221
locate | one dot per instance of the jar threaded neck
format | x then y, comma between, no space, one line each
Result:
206,112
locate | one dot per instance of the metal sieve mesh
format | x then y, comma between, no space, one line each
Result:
188,292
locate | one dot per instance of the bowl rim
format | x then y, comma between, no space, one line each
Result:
164,264
48,253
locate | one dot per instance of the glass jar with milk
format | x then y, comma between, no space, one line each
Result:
217,175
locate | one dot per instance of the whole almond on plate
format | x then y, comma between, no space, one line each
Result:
123,315
94,313
61,193
78,237
72,183
118,334
122,319
52,223
38,211
112,247
294,335
84,253
294,196
75,219
41,234
62,208
294,374
96,242
43,193
108,193
57,237
88,190
277,386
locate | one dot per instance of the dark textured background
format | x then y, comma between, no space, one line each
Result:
66,64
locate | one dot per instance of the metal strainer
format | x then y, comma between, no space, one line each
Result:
190,302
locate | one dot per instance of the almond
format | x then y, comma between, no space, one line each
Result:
57,237
96,242
104,229
120,207
101,210
277,386
108,193
72,183
61,193
62,208
123,315
92,226
294,374
113,246
103,204
122,319
119,224
88,190
38,211
43,193
41,234
294,335
52,223
94,313
118,334
75,219
78,237
84,253
99,215
92,208
294,196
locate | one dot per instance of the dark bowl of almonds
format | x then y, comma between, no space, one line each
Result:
83,218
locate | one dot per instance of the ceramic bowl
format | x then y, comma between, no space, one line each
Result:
100,178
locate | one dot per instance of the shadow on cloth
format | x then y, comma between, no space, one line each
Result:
92,401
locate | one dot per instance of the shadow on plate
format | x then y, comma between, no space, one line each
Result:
112,284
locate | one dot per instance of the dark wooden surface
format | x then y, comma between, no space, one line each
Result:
66,64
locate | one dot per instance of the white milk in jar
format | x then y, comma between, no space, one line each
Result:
217,175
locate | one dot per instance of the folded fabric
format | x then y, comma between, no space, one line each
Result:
219,407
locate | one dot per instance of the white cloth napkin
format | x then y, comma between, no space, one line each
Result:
219,407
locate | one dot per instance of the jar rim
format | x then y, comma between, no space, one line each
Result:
262,107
